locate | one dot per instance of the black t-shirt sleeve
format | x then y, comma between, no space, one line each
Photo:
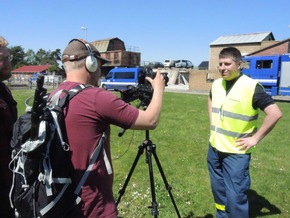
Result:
261,99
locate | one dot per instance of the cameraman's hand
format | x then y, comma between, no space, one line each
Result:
158,83
149,118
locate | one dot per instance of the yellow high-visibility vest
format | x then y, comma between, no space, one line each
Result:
233,116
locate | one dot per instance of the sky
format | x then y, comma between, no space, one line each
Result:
158,29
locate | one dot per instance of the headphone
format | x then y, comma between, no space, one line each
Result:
91,60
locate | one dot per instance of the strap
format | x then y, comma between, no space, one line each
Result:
49,206
56,100
93,159
72,93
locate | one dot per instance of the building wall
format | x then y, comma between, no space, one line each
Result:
116,44
201,80
122,58
275,50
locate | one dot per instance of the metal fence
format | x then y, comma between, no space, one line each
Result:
24,81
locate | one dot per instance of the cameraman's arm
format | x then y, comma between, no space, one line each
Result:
149,118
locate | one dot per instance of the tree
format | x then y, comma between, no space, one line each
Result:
56,56
30,57
41,57
18,56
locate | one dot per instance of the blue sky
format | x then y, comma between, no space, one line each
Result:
160,29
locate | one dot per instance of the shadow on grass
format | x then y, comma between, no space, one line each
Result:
260,206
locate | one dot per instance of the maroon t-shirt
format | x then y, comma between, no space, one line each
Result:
88,115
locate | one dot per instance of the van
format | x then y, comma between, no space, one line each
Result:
169,63
183,64
121,78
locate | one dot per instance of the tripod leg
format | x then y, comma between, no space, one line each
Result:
168,187
122,190
154,206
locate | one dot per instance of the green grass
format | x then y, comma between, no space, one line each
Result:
181,146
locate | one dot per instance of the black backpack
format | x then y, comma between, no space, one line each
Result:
41,158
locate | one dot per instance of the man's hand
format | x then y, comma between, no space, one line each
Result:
246,143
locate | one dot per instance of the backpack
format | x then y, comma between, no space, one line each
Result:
41,161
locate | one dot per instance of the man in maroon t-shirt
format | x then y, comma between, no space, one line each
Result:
89,114
8,115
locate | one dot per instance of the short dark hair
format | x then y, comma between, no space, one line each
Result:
232,52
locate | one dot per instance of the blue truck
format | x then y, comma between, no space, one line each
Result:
273,72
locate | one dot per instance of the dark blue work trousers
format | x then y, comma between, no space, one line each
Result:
230,183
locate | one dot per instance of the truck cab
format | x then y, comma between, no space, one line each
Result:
264,69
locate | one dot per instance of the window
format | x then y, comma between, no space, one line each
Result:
124,75
246,65
109,75
264,64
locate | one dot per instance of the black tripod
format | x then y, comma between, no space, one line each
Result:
150,149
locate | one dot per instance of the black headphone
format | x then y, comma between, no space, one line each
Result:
91,60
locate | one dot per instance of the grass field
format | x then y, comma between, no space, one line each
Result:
181,146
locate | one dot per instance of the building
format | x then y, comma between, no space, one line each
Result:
25,72
278,48
27,75
114,50
246,43
203,65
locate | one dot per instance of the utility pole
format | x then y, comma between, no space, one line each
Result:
86,30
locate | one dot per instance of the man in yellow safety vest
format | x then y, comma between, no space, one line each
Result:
233,106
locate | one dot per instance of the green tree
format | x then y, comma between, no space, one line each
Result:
30,57
42,57
55,56
18,56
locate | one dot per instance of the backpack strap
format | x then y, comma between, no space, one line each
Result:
93,159
57,100
62,102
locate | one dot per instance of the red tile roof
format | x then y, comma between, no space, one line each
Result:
31,69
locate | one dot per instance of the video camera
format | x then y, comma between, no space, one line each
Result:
144,90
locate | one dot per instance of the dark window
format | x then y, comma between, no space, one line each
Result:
124,75
265,64
109,75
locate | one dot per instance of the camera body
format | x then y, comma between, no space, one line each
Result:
144,90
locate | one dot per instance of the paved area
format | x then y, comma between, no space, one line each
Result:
282,98
185,89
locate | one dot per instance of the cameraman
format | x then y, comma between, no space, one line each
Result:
89,114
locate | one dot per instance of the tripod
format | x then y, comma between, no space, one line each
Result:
150,149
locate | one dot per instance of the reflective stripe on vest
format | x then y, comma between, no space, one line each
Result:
232,115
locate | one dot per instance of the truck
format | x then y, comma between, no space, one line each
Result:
272,72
